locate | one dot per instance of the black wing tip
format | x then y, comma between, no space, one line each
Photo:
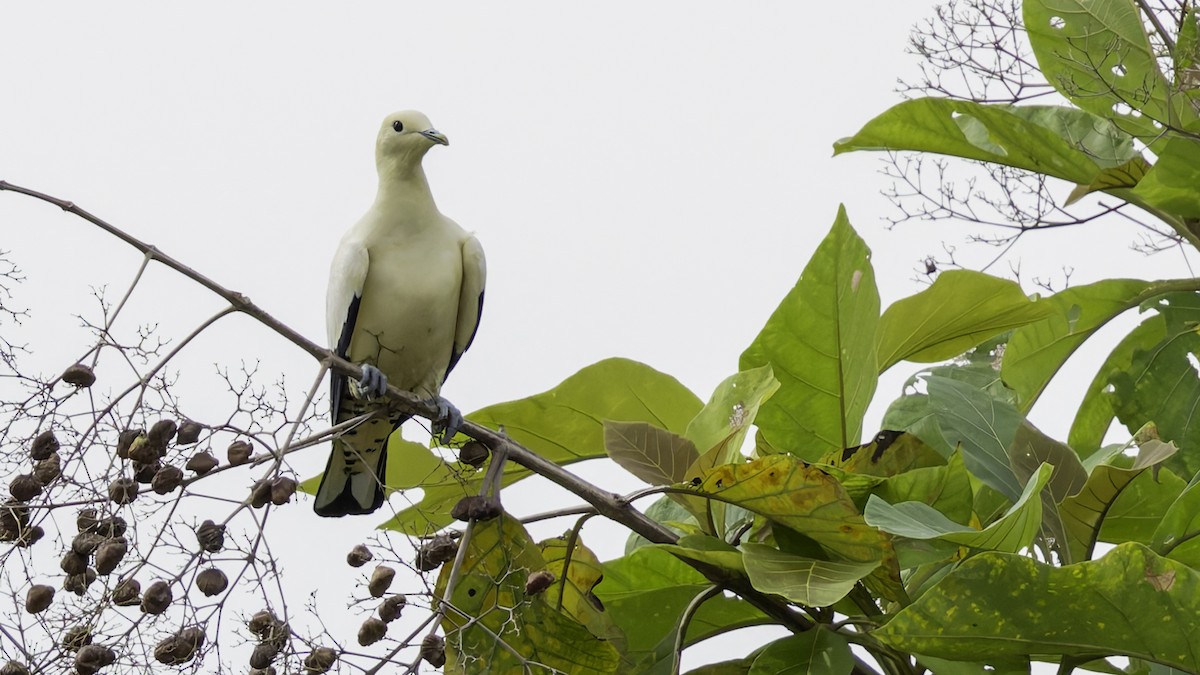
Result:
346,505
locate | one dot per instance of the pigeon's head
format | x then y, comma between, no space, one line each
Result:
405,137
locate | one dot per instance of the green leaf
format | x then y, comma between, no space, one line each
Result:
666,511
1177,532
720,427
1126,175
914,414
572,592
563,425
1171,184
811,582
646,592
1083,514
491,593
1036,352
1062,142
946,488
983,425
654,455
707,549
821,344
1162,383
1095,412
888,454
1129,602
960,310
1096,54
1140,507
1187,47
817,651
1010,533
1031,449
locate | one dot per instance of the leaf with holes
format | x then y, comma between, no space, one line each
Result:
720,427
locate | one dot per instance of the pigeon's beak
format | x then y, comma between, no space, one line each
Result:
436,136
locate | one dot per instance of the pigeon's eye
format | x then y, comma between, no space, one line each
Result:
398,125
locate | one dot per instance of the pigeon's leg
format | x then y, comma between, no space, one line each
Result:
449,419
374,383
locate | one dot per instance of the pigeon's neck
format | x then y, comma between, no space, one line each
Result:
404,189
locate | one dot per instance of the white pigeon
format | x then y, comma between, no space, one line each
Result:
405,295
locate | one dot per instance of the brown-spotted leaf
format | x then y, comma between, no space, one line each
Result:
572,592
806,499
890,453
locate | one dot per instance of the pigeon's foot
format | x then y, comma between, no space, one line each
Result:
449,419
374,383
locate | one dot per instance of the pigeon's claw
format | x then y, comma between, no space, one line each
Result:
449,419
374,383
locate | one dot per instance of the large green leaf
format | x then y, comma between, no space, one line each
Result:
961,309
1096,53
646,592
490,605
1010,533
1140,507
1162,383
1095,413
997,605
1062,142
811,582
945,488
821,344
1172,183
817,652
719,428
1083,514
1178,533
983,425
1037,351
563,425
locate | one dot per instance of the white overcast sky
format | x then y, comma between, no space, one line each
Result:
648,179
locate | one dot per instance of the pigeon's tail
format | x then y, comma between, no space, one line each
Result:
356,471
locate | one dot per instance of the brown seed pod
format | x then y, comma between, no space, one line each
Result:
79,375
260,493
144,473
381,579
189,432
180,647
320,660
167,479
25,487
473,453
436,551
538,582
46,470
86,543
201,463
86,519
212,581
44,445
358,556
267,627
162,432
282,489
433,650
73,563
476,507
14,520
76,638
92,658
126,439
143,451
112,526
123,490
78,583
109,555
38,598
371,631
389,610
157,598
14,668
262,656
238,453
30,536
127,593
269,670
211,536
